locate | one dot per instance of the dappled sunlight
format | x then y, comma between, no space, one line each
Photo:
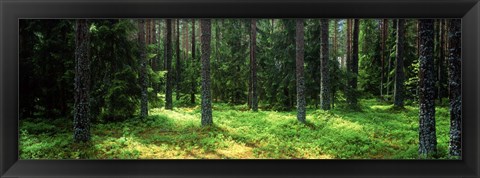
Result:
177,134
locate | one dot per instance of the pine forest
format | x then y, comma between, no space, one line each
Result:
240,89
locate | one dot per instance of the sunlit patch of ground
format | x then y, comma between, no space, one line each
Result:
375,132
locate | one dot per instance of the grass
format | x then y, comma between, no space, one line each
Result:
377,131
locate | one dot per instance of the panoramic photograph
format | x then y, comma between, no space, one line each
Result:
240,88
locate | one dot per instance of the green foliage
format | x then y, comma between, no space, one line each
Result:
369,56
115,90
377,132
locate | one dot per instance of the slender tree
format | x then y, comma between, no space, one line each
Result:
455,85
299,71
399,73
335,68
427,133
382,53
193,84
348,55
441,60
325,77
253,64
168,93
81,118
147,31
179,63
143,69
390,61
205,26
353,67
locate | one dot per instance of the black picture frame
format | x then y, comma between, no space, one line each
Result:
12,10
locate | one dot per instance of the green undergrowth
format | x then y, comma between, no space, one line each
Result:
376,131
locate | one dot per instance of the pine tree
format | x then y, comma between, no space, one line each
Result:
455,85
179,63
193,84
168,93
352,67
143,69
205,26
299,70
382,53
399,73
427,135
253,64
324,61
81,119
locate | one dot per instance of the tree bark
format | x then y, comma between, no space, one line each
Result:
441,61
301,113
206,92
179,63
325,74
253,64
353,67
384,39
168,92
81,119
455,84
348,55
193,84
143,70
427,135
399,73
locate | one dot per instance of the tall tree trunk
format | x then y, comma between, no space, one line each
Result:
168,92
299,71
384,39
254,64
325,74
348,55
152,28
335,56
441,60
193,86
206,92
353,68
399,74
147,31
81,118
179,63
143,70
455,84
427,135
390,61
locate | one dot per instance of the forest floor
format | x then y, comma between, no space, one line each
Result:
376,132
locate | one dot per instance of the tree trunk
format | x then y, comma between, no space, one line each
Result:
384,39
147,31
168,92
441,61
143,70
179,63
399,74
335,57
325,74
299,70
348,55
193,86
254,64
353,68
427,135
455,84
390,61
81,119
206,93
